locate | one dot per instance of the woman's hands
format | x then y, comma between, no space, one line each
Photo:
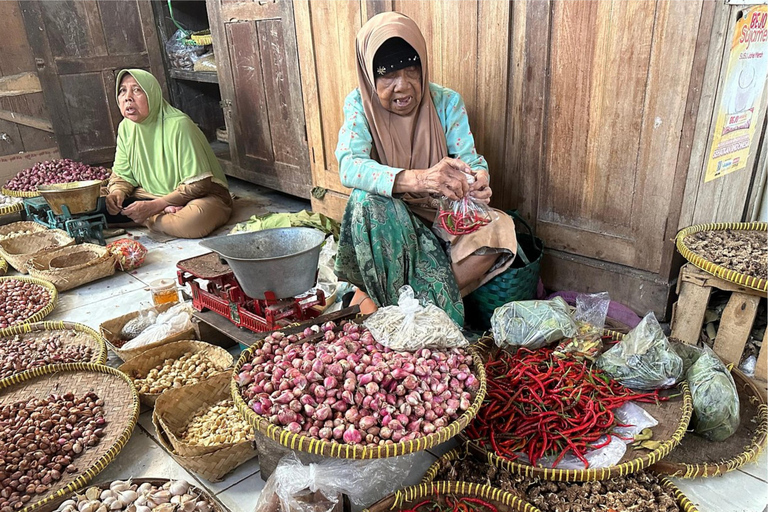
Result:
480,190
140,211
115,201
447,178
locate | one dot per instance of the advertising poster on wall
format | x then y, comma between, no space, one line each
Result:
738,112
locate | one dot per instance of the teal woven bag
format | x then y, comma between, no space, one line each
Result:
518,282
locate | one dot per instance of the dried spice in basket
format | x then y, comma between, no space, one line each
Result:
24,352
217,424
539,405
640,491
174,373
742,251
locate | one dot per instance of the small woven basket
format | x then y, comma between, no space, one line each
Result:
20,227
121,411
313,446
111,330
405,498
54,295
697,457
20,249
72,266
155,357
756,283
19,193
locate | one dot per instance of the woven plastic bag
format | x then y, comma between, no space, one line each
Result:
410,326
644,359
532,323
591,310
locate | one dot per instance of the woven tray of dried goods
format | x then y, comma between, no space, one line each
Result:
174,365
25,183
25,299
19,249
450,497
82,414
734,251
643,490
29,346
697,457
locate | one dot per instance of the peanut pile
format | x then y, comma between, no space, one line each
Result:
220,424
19,354
19,300
175,373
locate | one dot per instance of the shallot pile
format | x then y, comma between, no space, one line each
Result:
347,388
18,354
55,171
19,300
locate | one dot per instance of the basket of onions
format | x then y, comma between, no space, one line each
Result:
334,391
25,183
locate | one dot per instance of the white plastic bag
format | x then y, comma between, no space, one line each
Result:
410,326
136,326
632,414
532,323
176,319
326,277
294,487
591,310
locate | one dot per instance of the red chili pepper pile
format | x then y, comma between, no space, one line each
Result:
453,505
541,405
463,220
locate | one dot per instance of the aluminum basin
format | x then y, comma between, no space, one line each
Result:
281,260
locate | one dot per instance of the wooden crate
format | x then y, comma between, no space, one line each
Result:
694,288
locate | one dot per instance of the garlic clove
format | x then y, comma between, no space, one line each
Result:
165,507
120,485
127,497
203,506
102,508
107,493
176,500
141,501
144,488
178,487
92,493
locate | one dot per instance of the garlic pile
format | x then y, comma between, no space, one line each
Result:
16,233
217,424
173,496
8,200
175,373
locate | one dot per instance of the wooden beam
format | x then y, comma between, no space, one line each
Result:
34,122
18,85
735,326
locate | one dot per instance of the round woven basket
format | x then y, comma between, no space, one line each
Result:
72,266
759,284
682,500
140,365
345,451
404,498
121,411
11,208
90,339
54,295
697,457
21,226
18,193
20,249
673,417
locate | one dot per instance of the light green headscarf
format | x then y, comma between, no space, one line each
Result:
164,150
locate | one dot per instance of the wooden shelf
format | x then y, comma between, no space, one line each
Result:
210,77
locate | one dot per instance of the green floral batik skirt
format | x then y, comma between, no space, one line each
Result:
383,246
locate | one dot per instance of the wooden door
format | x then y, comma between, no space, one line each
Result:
261,92
79,46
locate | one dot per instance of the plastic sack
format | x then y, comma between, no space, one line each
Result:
644,359
176,319
532,323
206,62
180,55
326,277
591,310
715,397
294,487
137,325
410,326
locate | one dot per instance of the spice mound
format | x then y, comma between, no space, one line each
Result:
175,373
40,439
24,352
173,496
219,424
347,388
742,251
20,300
638,491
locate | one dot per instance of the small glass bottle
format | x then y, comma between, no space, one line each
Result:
164,291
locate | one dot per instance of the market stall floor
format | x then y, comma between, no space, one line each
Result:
742,490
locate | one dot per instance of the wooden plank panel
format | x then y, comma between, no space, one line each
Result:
689,312
86,104
122,27
16,56
71,66
332,205
32,105
735,326
250,11
67,29
90,9
600,245
761,369
10,139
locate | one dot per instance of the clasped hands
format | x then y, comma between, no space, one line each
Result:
449,178
138,211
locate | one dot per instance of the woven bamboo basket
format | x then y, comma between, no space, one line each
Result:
20,249
673,417
90,339
54,295
682,500
19,193
756,283
696,457
11,208
200,491
111,330
313,446
121,411
149,359
21,226
437,492
72,266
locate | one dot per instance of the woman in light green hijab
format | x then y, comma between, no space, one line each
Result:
165,175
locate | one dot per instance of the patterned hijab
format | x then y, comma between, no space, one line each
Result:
415,141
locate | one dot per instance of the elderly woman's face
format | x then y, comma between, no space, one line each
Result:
132,99
400,91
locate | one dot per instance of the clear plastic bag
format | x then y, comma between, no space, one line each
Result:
294,487
205,62
176,319
410,326
181,55
532,323
591,310
715,397
137,325
462,217
326,277
638,418
644,359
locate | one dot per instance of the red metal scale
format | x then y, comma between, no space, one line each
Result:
214,287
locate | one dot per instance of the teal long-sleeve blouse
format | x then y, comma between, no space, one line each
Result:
358,170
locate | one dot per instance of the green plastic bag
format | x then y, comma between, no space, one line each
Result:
715,397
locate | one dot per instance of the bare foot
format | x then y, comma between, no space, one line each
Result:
172,209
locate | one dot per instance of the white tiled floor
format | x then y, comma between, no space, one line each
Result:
742,490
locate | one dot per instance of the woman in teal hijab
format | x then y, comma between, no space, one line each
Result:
165,175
